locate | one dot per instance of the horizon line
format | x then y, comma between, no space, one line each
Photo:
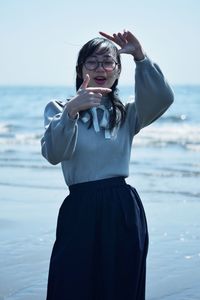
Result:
73,86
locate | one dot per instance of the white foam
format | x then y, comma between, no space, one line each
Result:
183,135
4,128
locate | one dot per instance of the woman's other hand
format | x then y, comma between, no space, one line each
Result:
128,42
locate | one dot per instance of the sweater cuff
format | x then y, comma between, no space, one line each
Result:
73,119
144,62
141,60
66,120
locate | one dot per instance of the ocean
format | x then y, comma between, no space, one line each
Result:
168,148
164,167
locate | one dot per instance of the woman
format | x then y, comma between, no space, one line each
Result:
102,238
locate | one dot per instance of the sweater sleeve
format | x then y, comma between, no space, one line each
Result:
153,96
59,140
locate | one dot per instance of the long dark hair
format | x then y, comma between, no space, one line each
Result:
118,110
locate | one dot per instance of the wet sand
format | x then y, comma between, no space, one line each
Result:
27,230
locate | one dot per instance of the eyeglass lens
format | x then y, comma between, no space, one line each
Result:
108,65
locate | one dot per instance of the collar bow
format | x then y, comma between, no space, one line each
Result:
101,116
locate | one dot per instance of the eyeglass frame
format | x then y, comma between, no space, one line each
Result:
101,62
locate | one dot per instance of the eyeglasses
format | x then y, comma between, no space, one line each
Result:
107,64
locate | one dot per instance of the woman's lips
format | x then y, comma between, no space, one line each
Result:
100,80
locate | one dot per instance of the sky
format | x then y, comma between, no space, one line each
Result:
40,39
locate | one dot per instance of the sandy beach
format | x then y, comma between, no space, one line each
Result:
28,221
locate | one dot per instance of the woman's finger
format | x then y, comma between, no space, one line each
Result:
85,82
107,36
99,90
119,39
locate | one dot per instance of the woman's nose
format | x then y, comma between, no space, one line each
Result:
100,65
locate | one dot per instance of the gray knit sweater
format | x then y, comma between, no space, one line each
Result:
86,155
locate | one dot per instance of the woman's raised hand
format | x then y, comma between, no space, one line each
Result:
86,97
128,42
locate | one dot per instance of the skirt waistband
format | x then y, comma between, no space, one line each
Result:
101,183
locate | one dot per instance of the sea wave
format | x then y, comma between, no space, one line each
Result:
4,128
178,118
23,139
186,136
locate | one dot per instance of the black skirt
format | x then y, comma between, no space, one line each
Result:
101,244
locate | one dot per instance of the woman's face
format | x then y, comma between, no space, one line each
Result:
102,68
